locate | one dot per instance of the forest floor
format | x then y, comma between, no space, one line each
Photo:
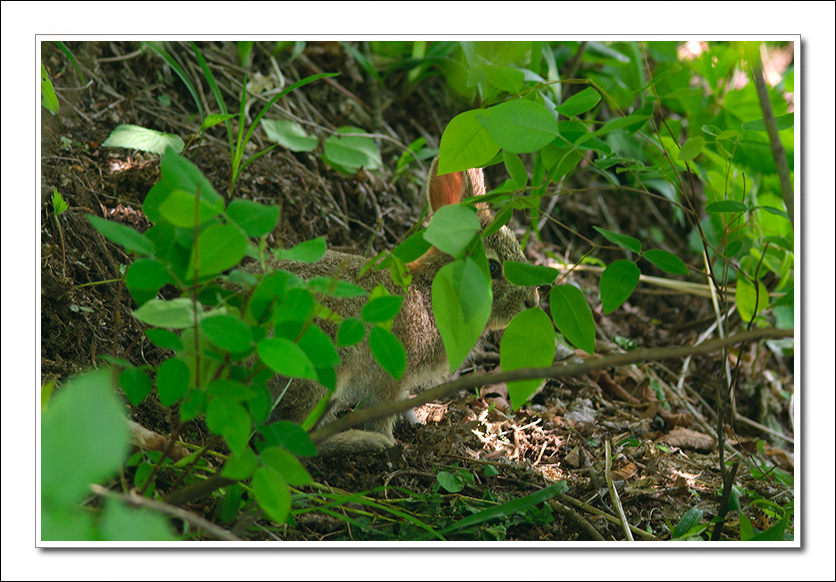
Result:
658,416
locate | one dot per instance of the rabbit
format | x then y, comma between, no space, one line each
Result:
360,379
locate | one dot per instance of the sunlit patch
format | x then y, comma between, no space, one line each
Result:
691,50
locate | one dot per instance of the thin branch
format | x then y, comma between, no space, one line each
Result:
622,518
602,514
359,417
779,154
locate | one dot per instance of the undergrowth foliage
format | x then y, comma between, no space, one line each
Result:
651,131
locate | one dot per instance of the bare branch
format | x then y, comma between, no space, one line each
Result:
359,417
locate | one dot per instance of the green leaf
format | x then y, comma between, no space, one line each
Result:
61,524
617,283
287,465
230,390
388,351
136,384
746,530
465,144
172,381
146,274
691,518
749,301
452,228
309,251
526,275
84,438
573,317
461,299
500,220
59,205
296,306
120,523
164,338
381,308
175,313
774,533
193,405
272,287
319,349
560,161
666,261
214,119
508,79
335,287
231,420
286,358
733,248
400,273
580,103
412,248
228,333
775,211
622,240
219,247
178,173
630,124
289,134
528,342
691,148
179,209
48,97
452,482
726,206
141,138
734,498
122,235
328,378
144,279
519,126
783,122
256,219
240,467
352,152
290,436
272,493
351,332
516,169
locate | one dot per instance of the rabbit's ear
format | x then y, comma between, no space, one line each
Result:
455,187
446,189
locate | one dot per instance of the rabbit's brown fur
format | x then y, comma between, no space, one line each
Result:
360,379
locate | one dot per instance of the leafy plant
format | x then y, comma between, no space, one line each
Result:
274,317
558,135
48,97
72,60
84,439
238,145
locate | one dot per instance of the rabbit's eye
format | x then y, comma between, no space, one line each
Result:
495,267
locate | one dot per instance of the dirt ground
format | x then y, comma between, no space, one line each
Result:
664,460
